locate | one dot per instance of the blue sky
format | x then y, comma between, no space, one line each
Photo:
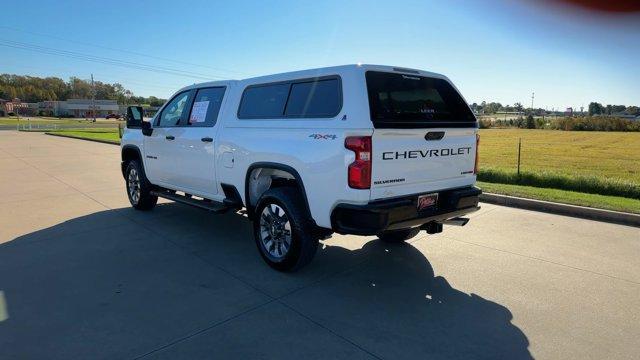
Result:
493,50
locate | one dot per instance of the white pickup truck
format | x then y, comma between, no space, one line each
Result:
355,149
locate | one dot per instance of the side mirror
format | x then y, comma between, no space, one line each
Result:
147,130
134,117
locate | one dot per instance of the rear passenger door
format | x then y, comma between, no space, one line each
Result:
196,144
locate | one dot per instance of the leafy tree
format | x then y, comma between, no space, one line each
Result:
154,101
615,109
492,108
518,107
633,110
595,108
531,124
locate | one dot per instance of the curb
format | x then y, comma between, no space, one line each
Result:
563,209
81,138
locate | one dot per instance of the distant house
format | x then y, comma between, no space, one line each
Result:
3,111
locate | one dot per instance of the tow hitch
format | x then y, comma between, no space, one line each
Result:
435,227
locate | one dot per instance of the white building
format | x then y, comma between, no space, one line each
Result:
80,108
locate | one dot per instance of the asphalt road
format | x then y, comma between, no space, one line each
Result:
82,275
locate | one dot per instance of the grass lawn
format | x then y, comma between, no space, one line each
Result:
563,196
602,154
110,135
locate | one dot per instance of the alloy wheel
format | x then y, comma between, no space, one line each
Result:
275,231
133,181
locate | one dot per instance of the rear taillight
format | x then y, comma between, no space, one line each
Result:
360,169
475,166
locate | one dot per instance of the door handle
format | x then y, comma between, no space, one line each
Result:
170,137
207,139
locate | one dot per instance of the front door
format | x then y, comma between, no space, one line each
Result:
161,150
196,144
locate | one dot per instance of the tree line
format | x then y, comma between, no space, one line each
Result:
35,89
567,123
494,107
595,108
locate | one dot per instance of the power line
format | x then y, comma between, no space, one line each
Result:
105,60
110,78
93,99
123,51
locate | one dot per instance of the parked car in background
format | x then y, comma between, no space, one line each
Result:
113,116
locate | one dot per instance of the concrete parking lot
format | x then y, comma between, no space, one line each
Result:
82,275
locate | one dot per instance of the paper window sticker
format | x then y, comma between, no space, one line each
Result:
199,112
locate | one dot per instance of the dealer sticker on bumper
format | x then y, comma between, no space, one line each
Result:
427,201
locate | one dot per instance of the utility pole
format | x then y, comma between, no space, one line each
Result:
532,95
93,99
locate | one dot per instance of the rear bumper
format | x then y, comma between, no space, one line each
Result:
402,213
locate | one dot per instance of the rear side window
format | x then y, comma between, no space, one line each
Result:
266,101
314,99
305,98
206,107
411,101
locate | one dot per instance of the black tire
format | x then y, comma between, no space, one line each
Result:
143,200
303,242
397,236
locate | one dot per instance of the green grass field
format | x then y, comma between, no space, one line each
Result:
110,135
612,155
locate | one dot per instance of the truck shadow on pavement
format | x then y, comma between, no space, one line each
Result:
122,283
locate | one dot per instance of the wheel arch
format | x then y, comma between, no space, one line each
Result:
128,153
250,206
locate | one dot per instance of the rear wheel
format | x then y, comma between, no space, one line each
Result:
138,187
397,236
283,230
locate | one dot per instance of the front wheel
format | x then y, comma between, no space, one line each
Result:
283,230
139,188
397,236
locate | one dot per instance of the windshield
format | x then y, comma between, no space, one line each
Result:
411,101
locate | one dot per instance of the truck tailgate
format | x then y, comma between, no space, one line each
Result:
411,161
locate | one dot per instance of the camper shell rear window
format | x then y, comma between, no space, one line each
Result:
399,100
